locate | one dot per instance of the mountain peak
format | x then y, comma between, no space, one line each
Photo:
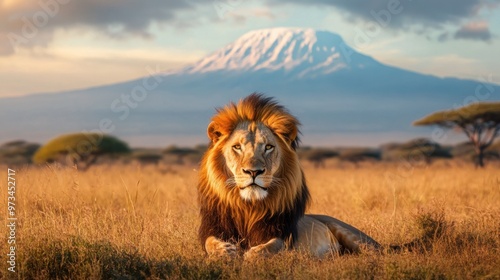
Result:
299,52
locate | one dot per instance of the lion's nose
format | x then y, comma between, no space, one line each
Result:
253,173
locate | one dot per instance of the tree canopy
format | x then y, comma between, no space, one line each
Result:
80,148
479,121
483,112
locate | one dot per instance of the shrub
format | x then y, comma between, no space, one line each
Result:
17,152
317,156
356,155
146,156
80,149
420,149
178,155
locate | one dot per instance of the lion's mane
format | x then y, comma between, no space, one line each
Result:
224,214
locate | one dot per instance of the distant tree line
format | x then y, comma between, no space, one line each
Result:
417,150
64,150
82,150
480,122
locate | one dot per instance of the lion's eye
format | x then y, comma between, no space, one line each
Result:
237,147
269,147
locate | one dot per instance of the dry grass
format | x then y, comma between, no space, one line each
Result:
128,222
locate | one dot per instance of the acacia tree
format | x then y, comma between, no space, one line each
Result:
479,121
80,149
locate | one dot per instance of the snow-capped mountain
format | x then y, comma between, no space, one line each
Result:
299,53
341,96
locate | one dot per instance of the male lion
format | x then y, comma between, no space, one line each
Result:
252,190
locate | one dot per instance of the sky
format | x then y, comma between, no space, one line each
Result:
57,45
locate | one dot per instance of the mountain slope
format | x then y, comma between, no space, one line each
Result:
300,53
338,93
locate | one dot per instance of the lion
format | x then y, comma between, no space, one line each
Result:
252,190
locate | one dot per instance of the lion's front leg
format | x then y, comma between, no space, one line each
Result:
218,248
272,247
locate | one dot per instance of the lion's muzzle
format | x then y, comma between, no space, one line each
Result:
253,173
253,192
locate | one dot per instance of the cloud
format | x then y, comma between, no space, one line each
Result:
262,13
240,16
443,37
402,14
66,68
5,48
478,30
33,23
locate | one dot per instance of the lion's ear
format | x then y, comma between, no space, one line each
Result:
288,133
293,134
213,132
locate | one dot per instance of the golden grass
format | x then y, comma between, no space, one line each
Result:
132,222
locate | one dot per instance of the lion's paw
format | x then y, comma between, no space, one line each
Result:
218,248
224,249
256,252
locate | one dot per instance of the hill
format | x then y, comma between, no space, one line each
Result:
333,90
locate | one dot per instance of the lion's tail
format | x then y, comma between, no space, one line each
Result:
351,238
434,227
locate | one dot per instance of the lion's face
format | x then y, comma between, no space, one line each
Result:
251,159
252,154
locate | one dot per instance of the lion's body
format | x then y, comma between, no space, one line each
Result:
252,190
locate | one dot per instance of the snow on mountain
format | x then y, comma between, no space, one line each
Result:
298,51
333,89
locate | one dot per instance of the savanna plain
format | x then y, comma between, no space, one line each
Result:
140,222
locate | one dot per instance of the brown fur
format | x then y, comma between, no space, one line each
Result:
230,224
224,214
